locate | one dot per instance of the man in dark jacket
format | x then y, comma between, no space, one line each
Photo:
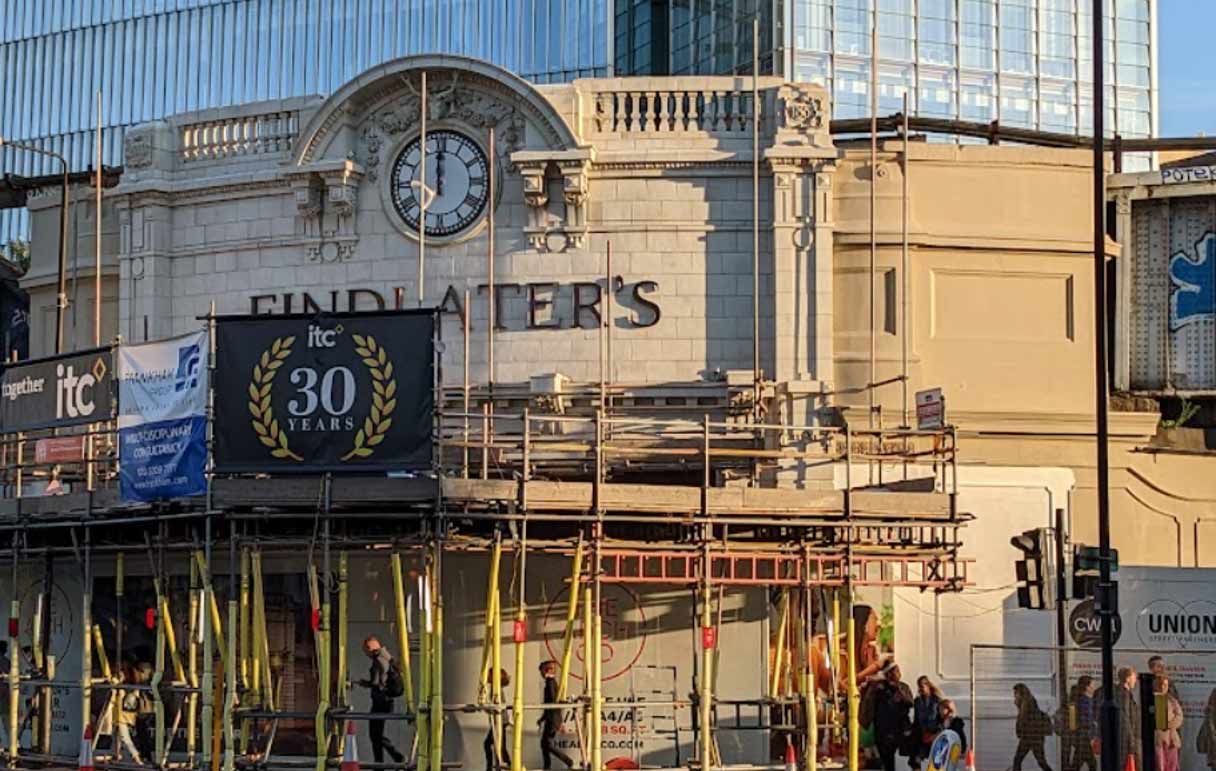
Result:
1129,717
892,703
377,683
551,719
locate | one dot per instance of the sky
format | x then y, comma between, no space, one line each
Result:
1186,61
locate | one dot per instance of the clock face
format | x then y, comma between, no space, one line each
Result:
456,183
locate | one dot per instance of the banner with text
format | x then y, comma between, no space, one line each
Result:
341,392
162,418
56,391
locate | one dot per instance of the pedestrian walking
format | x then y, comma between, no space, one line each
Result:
926,719
127,731
551,719
385,683
1168,742
892,724
504,757
1032,728
1129,718
1079,739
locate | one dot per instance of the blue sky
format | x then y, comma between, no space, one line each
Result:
1187,67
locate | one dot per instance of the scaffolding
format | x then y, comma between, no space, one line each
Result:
660,491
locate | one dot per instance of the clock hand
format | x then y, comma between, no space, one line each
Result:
439,174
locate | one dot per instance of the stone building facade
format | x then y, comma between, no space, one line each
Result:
288,207
304,206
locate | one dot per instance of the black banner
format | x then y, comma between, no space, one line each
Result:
340,392
57,391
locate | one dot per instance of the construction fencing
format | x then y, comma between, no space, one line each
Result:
1053,676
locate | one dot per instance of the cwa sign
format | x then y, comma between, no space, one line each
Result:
1085,625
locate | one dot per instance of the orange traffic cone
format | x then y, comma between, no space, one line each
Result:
1130,765
86,749
350,753
791,757
970,762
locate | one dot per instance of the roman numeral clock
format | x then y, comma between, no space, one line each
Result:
455,183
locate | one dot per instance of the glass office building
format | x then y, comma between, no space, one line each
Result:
152,58
1023,62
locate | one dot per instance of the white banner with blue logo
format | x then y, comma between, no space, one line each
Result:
162,418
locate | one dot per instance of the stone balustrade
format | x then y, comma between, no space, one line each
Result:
640,108
262,134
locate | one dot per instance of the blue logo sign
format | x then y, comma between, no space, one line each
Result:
1194,280
187,368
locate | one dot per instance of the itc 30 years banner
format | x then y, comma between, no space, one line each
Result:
162,418
307,393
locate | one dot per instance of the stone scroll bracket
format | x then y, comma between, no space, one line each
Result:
547,226
326,196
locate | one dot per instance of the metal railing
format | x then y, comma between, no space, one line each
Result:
527,445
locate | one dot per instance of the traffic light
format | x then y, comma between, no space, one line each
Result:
1086,564
1034,569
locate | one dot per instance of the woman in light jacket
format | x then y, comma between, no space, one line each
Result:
1169,741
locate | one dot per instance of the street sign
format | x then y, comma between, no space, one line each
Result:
930,410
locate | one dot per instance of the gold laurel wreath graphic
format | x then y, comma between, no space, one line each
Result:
264,422
384,397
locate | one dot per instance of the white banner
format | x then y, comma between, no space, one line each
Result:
162,423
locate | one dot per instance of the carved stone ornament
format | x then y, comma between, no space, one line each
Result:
137,150
448,102
575,189
331,251
307,192
1123,203
802,110
536,196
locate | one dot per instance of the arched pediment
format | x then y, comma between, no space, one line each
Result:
386,100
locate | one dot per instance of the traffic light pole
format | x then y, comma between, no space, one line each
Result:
1109,717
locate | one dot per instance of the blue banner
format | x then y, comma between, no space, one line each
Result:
162,424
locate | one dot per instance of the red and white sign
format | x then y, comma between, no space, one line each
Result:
60,449
930,410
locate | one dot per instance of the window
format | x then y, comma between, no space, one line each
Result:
852,93
937,93
812,68
1018,106
893,82
1057,107
977,98
813,25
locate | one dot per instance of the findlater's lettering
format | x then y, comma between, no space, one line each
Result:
544,298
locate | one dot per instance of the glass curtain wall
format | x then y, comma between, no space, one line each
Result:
1026,63
154,58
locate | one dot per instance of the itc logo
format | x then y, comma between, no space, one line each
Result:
74,393
323,338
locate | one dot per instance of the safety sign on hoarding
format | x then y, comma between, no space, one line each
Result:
162,419
930,410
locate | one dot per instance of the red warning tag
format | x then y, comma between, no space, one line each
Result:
14,627
520,632
709,637
150,618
